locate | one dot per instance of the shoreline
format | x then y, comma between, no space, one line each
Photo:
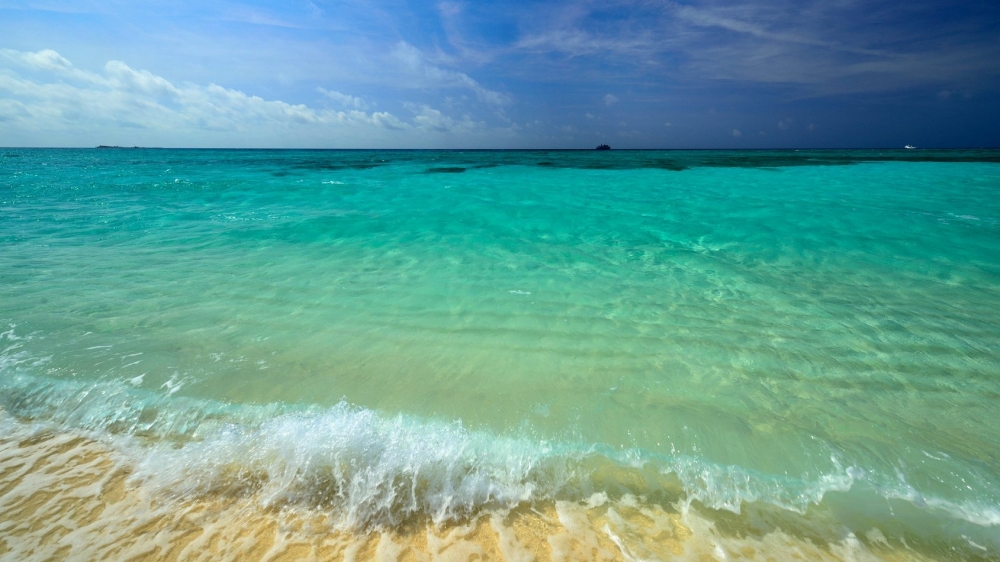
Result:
65,491
786,353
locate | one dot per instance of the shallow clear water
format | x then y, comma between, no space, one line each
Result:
815,333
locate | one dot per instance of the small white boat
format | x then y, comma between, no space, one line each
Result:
910,146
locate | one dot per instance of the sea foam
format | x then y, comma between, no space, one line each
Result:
370,471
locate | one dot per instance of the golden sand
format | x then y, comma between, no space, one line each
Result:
66,496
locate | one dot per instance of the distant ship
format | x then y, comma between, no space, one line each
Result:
603,147
910,146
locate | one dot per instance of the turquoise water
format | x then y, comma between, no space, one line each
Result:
812,334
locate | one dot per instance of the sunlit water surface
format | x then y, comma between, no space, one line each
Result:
751,342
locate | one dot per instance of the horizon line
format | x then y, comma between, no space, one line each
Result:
116,147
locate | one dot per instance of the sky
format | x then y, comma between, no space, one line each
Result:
500,74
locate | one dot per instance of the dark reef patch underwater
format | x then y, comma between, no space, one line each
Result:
520,355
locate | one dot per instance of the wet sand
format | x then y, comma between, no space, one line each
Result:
68,496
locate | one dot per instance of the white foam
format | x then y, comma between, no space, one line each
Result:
9,335
172,385
372,471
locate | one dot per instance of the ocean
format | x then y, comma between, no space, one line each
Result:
518,355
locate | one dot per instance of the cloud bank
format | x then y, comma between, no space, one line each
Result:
454,73
43,93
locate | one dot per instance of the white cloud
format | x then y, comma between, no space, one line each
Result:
610,99
388,121
431,76
566,35
809,47
829,48
344,99
122,105
11,110
429,119
141,81
736,133
784,123
451,17
46,59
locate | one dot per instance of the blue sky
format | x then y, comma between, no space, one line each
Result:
527,74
